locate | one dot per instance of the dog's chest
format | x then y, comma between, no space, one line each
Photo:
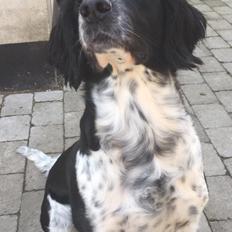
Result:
126,185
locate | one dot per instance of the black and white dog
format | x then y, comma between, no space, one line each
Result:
138,165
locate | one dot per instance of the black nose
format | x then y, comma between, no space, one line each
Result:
92,10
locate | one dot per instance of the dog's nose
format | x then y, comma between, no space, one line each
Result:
92,10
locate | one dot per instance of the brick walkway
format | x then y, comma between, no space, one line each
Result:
49,121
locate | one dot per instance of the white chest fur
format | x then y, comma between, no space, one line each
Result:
150,157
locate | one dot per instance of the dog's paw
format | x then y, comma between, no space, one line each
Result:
23,150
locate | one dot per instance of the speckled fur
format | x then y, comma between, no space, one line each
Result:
148,176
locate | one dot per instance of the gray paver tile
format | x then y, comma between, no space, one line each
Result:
189,77
212,163
223,10
72,124
200,131
212,116
210,32
48,139
49,96
17,104
204,225
223,54
73,101
213,3
8,223
215,42
218,81
10,192
47,113
220,189
203,7
220,24
199,94
221,226
70,141
10,162
30,213
202,51
34,178
225,98
211,65
226,34
222,140
228,18
211,15
228,67
228,163
14,128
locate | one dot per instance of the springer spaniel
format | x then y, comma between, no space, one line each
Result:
138,164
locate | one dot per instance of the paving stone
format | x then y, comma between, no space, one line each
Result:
225,98
226,34
228,67
211,65
189,77
203,7
201,51
218,81
223,10
228,18
72,124
212,163
211,15
204,225
228,163
200,131
221,226
220,189
210,32
17,104
199,94
30,212
35,180
73,101
48,139
187,106
220,24
10,162
14,128
212,116
223,54
49,96
213,3
10,193
222,140
215,42
47,113
8,223
70,141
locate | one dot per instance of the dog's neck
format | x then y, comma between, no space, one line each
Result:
119,59
139,114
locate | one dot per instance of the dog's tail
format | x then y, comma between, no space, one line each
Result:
42,161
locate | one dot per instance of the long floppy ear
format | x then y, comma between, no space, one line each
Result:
184,27
64,45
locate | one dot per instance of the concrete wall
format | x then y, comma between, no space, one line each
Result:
25,20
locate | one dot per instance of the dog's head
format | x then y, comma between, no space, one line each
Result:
160,34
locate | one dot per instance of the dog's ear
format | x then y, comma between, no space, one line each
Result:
64,46
184,27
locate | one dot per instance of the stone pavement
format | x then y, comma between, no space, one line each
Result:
49,121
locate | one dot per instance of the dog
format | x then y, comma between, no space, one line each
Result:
138,163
